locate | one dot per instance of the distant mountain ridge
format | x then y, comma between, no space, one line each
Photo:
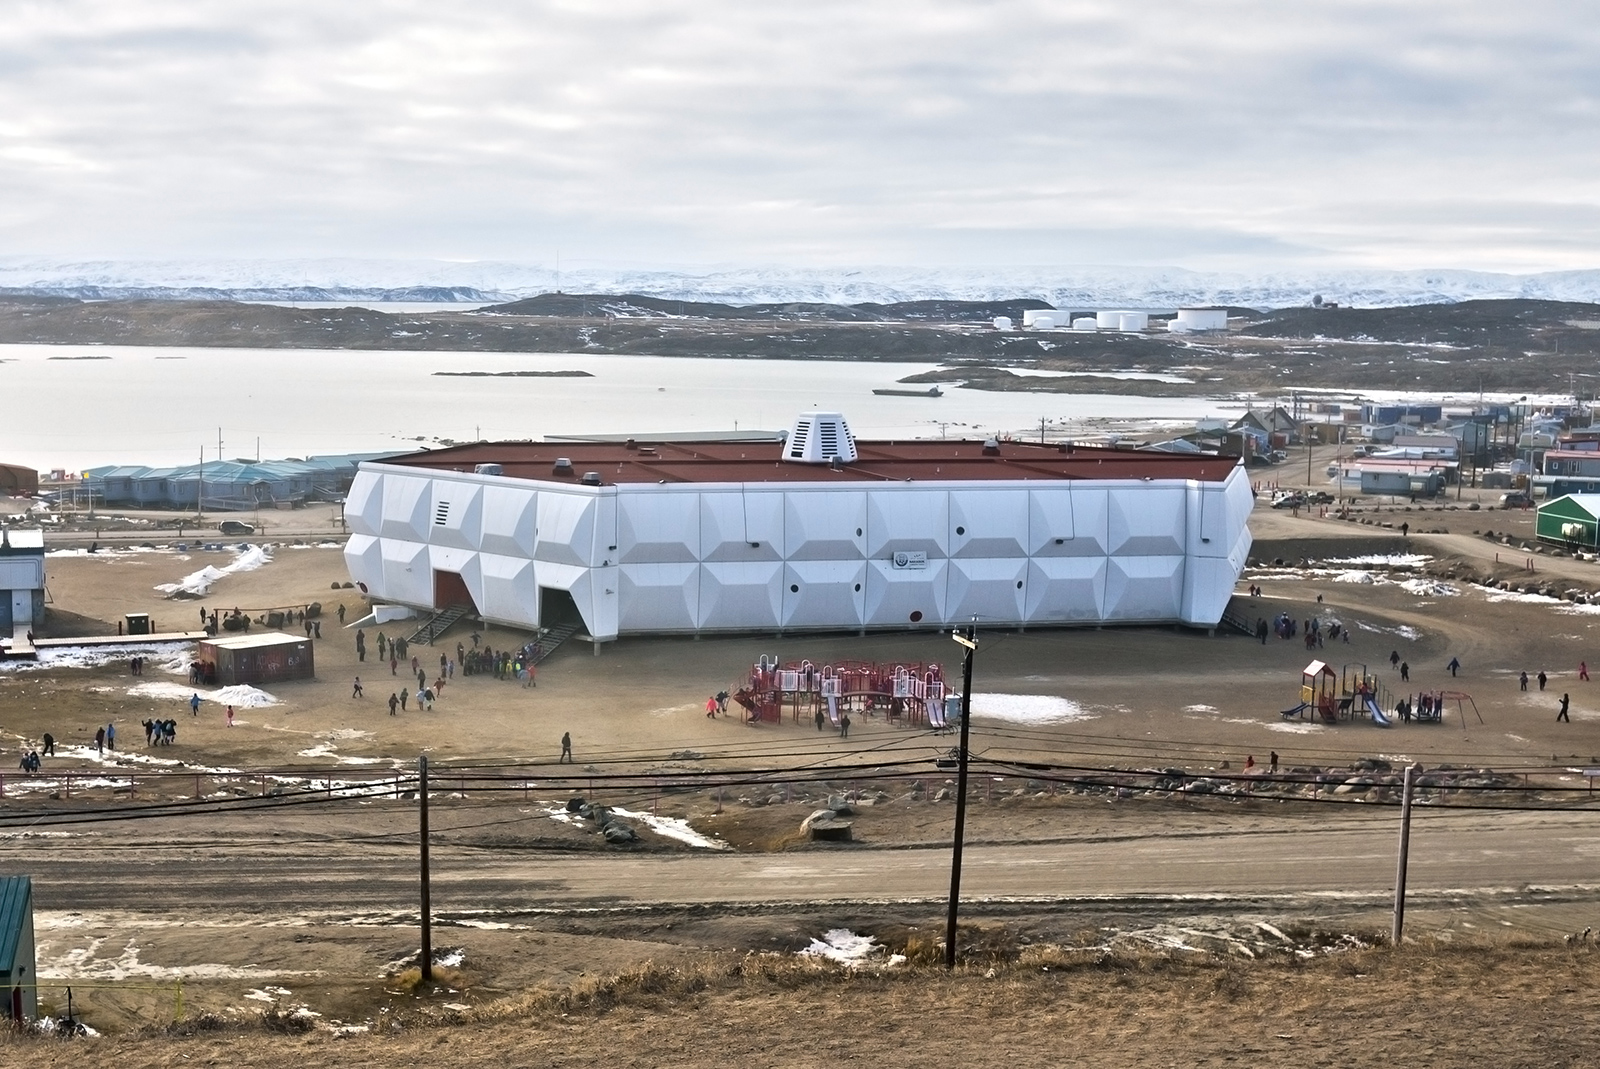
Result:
483,282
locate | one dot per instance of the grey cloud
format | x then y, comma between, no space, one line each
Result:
1167,132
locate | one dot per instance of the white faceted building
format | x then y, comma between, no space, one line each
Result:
820,532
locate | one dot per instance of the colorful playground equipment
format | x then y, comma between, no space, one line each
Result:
910,693
1354,692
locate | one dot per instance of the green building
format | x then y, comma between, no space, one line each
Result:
18,983
1573,520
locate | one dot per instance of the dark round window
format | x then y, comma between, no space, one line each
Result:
858,532
858,588
1019,584
794,588
916,617
961,530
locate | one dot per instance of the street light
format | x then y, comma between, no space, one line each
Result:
970,641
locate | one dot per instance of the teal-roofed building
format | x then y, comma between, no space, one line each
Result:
18,981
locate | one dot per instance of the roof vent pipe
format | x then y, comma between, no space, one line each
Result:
590,478
563,466
991,448
630,444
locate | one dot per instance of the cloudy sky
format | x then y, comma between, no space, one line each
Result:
1226,134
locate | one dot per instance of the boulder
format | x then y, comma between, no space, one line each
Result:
830,831
618,832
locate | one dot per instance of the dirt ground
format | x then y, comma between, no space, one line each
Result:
1127,697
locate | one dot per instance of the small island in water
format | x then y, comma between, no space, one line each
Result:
518,374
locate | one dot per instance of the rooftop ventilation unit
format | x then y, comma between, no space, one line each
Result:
488,469
590,478
563,466
819,437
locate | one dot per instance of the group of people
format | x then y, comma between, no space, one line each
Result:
136,666
1286,627
157,732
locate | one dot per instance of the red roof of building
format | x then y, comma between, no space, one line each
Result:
756,462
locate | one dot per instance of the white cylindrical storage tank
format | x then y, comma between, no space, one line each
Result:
1203,318
1107,320
1044,323
1084,323
1002,322
1030,314
1133,322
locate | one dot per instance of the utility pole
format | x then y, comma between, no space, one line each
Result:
970,641
200,490
427,904
1405,850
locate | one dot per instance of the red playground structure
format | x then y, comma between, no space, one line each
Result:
910,693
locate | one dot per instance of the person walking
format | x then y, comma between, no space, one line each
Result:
194,704
566,748
230,716
711,708
1405,672
404,694
100,740
1272,760
361,645
1583,671
394,664
355,692
1562,715
111,736
1394,658
820,719
533,675
844,725
49,745
1454,666
722,702
1522,680
340,612
1543,679
394,702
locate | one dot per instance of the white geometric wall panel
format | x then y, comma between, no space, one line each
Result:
659,597
363,505
456,518
989,523
683,557
730,521
907,521
824,593
1066,590
992,588
825,525
746,595
509,591
659,528
1143,588
1147,520
405,507
510,515
901,596
565,533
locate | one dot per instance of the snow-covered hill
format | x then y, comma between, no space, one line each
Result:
482,281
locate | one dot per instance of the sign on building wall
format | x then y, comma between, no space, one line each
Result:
909,559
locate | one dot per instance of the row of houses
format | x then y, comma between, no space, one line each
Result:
227,485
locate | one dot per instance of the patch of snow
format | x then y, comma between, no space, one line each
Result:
198,584
1028,708
240,696
96,656
844,947
1354,577
1199,708
1400,559
1292,728
674,828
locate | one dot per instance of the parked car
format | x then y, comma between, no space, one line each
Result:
1290,501
1321,497
1517,499
236,527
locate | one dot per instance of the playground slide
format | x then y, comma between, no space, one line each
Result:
1377,714
1290,714
833,711
935,712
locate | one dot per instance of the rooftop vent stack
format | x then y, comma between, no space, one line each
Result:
563,467
991,448
630,444
590,478
488,469
819,437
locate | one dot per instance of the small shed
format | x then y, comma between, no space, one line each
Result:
1572,520
271,657
21,580
18,979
